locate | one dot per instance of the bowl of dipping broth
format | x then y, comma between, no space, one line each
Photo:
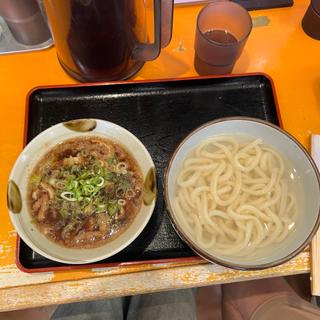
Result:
81,191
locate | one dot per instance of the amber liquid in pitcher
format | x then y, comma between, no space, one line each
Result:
95,39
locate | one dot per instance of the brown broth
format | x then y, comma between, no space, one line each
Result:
85,192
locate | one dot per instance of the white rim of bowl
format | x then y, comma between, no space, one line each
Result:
212,258
24,237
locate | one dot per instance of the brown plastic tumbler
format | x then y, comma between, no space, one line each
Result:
222,30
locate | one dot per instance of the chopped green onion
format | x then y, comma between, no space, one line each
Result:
88,189
108,176
69,196
74,184
100,184
112,160
97,168
78,194
113,208
75,169
101,208
36,179
84,192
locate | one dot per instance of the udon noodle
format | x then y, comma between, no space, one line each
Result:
232,196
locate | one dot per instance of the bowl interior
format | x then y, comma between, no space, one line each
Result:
24,166
302,171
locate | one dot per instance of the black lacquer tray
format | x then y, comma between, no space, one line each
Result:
160,113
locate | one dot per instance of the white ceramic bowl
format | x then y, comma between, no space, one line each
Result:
41,144
305,173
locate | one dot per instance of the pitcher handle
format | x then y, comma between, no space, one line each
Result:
163,13
167,22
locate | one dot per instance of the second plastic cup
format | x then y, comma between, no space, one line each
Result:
25,21
222,30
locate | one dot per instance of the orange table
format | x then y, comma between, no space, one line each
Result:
277,46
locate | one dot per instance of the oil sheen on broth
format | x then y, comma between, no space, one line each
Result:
236,196
85,192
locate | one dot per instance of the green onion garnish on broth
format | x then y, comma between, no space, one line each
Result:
84,191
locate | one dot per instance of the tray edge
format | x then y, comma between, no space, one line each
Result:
77,85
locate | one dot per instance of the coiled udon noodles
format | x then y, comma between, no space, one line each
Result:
233,197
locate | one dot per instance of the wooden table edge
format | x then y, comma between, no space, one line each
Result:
55,293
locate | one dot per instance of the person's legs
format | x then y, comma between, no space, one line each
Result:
208,301
41,313
108,309
175,305
242,298
266,299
